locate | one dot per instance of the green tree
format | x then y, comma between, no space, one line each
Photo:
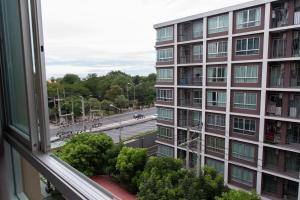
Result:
70,78
121,101
237,194
130,164
105,105
113,92
112,154
87,153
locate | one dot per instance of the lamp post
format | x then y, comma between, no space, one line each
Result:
83,112
133,91
120,133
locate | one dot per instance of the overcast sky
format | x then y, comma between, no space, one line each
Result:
97,36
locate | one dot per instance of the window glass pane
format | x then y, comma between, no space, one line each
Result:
14,65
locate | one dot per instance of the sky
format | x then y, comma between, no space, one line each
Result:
98,36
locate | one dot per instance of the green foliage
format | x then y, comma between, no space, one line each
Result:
130,164
70,79
87,153
121,101
237,194
112,155
113,92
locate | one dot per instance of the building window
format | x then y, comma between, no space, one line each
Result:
248,18
165,151
217,49
244,126
218,24
215,121
215,144
197,52
164,94
197,29
247,46
242,175
292,162
216,74
246,74
243,151
165,132
165,75
217,165
165,113
197,97
165,34
165,55
245,100
216,98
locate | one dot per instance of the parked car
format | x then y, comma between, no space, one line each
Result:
138,116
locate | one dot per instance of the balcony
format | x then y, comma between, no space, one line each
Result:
189,118
279,16
294,106
278,49
274,104
182,136
190,76
190,54
296,47
276,76
190,31
190,98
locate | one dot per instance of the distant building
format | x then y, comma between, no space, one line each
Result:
237,70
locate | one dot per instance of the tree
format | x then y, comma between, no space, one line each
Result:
113,92
71,79
87,153
105,105
130,164
237,194
121,101
112,154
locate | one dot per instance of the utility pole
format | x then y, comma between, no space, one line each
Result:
82,111
187,156
199,148
73,128
59,107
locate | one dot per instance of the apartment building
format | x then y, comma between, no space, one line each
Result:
235,70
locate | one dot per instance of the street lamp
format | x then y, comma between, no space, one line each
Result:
120,133
133,91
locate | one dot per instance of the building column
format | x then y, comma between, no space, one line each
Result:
228,94
263,97
203,90
175,90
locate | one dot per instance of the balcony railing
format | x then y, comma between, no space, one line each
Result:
278,48
190,59
189,103
190,80
191,123
274,110
279,17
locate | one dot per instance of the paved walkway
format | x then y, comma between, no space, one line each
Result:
114,188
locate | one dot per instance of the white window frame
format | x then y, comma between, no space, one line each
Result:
247,24
163,94
218,28
217,54
165,74
165,132
241,179
245,78
165,113
244,105
245,149
243,130
165,34
165,55
195,31
217,102
215,144
247,51
198,55
217,119
217,78
197,99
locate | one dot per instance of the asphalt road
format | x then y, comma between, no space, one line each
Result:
112,119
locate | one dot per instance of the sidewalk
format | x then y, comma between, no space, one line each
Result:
113,187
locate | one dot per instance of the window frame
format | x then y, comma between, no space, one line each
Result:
247,51
165,31
242,155
244,104
218,28
163,110
248,22
165,133
216,118
242,172
217,103
217,77
163,93
243,130
245,77
215,144
218,53
163,74
162,54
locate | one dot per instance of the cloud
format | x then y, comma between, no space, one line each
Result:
96,36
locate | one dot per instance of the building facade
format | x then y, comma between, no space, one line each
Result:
236,71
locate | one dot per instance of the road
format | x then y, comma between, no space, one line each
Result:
109,120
